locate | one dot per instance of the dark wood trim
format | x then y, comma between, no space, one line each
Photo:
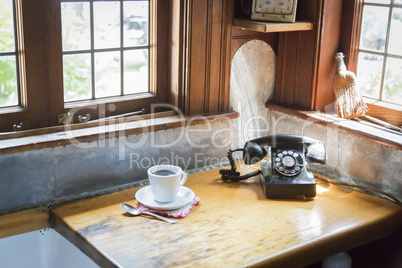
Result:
226,56
208,53
306,64
34,18
328,47
306,115
32,72
298,59
176,55
206,57
164,30
352,11
198,58
54,60
185,55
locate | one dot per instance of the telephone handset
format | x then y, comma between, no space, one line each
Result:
285,175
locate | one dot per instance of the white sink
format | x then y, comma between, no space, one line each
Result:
43,248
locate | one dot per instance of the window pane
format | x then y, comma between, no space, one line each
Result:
369,71
8,81
135,23
6,26
77,77
393,80
76,26
107,74
107,24
397,1
395,44
374,28
135,71
377,1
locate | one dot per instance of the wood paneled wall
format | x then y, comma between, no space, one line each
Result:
306,60
206,37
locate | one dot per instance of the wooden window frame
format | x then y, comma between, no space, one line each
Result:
40,62
196,57
352,11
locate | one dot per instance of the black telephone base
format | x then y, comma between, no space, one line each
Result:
278,188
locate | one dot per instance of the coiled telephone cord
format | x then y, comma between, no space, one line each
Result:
231,175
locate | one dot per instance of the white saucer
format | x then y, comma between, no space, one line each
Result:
145,197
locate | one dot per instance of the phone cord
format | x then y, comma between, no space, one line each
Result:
231,175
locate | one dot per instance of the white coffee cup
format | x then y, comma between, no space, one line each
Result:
166,181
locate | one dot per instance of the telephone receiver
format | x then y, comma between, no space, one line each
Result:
314,150
285,175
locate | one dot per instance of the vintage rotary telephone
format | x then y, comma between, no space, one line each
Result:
285,175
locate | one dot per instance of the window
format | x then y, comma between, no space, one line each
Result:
84,55
369,39
9,93
379,66
105,48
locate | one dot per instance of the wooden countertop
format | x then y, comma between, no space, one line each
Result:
234,225
24,221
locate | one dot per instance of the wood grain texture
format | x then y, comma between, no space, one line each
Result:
235,225
54,61
271,27
307,58
297,58
352,11
24,221
226,59
161,40
206,55
328,47
285,81
198,58
32,71
175,57
215,40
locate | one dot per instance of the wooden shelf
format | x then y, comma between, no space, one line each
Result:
270,27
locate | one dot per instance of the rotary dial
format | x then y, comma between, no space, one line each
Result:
288,162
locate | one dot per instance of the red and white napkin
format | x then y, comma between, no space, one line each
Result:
176,213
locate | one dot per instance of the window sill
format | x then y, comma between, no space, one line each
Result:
30,140
359,128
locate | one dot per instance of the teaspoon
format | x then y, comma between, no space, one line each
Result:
135,211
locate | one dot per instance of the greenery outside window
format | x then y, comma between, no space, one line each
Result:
9,88
58,55
105,48
379,67
370,39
